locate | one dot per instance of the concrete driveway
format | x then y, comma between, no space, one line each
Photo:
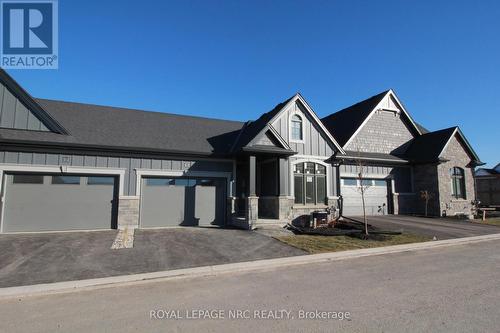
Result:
51,257
442,228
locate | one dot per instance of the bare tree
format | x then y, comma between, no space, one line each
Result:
426,196
362,185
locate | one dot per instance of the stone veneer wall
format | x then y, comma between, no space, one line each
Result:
426,178
457,156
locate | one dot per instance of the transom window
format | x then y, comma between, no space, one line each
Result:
309,183
296,128
457,183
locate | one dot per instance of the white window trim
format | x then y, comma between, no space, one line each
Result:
55,169
302,117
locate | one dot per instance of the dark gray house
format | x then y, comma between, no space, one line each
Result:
488,186
71,166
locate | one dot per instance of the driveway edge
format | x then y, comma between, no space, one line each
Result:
89,284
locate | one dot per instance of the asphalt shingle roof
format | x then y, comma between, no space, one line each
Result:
112,127
428,146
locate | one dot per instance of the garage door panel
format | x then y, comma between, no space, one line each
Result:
57,207
375,200
167,202
162,206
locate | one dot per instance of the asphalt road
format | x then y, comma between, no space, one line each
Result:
441,228
453,289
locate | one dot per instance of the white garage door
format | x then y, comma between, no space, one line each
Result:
168,202
55,202
375,197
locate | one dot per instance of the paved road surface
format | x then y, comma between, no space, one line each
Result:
442,228
453,289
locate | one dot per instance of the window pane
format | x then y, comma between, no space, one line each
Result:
296,131
299,168
321,189
159,181
75,180
320,169
458,188
310,168
99,180
366,182
296,128
380,182
350,181
310,197
185,182
27,179
299,189
205,182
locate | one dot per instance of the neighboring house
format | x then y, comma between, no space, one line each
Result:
400,159
488,186
72,166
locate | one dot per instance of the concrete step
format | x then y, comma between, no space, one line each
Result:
262,223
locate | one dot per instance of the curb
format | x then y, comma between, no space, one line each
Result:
107,282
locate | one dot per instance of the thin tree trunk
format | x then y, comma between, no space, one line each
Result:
364,211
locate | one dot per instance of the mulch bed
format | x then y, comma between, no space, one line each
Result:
343,228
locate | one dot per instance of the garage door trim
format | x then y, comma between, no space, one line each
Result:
55,169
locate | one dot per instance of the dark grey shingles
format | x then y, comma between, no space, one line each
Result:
255,127
427,147
103,126
344,123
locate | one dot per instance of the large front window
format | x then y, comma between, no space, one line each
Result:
309,183
457,183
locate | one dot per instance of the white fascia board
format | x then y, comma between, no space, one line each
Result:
448,142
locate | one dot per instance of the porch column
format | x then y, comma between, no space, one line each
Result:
282,176
284,202
252,179
252,199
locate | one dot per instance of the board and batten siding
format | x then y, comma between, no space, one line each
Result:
314,143
13,113
128,163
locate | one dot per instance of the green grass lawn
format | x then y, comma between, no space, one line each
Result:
490,221
320,244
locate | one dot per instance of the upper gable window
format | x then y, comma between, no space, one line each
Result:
457,183
296,128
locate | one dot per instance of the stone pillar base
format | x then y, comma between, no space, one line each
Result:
128,212
285,208
252,213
